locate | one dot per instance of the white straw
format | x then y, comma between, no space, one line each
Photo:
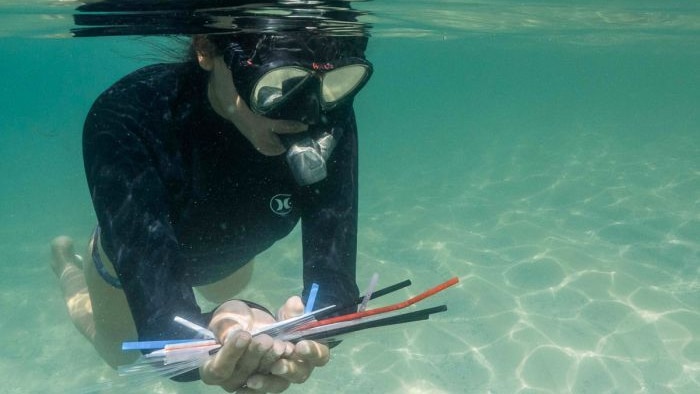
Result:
368,293
196,328
185,354
291,324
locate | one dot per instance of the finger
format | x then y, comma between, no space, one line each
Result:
262,318
246,390
275,144
234,385
220,367
291,308
294,371
229,315
312,352
298,367
250,362
288,127
275,352
267,383
288,350
269,144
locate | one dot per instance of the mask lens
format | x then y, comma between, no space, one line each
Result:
343,81
276,85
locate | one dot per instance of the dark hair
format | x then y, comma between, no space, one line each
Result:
201,43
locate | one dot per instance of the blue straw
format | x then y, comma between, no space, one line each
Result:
143,345
312,298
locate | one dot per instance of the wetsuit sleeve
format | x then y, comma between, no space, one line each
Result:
329,225
123,161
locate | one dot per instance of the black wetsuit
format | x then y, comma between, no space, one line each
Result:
184,199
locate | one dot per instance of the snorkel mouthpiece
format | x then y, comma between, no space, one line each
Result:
306,162
306,156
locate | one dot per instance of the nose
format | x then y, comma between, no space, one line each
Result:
303,106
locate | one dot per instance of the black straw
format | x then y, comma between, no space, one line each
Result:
418,315
358,300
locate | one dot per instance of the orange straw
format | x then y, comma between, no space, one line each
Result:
389,308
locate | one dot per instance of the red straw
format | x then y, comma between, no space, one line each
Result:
389,308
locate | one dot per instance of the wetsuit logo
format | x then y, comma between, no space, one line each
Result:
281,204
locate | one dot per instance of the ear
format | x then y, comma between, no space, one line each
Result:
206,62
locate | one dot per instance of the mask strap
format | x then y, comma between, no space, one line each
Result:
235,54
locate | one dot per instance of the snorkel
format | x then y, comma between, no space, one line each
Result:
309,78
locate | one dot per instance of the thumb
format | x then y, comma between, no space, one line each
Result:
291,308
287,127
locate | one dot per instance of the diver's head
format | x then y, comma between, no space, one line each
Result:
302,77
298,76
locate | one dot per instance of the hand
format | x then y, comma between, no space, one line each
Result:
296,367
263,132
242,355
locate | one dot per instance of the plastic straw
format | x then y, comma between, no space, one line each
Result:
376,294
312,298
388,289
288,325
185,353
368,293
194,327
389,308
336,329
145,345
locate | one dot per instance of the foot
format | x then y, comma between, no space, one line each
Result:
68,267
64,256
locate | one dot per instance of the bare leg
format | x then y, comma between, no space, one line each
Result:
72,280
98,310
113,321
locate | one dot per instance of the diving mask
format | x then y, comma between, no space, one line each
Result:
334,84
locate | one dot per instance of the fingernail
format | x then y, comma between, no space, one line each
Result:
279,369
241,342
289,350
230,334
304,348
254,383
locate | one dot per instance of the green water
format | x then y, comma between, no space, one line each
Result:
546,154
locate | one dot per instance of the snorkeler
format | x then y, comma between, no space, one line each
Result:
195,168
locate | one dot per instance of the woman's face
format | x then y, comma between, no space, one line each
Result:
262,132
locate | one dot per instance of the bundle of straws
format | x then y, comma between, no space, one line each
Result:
174,357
